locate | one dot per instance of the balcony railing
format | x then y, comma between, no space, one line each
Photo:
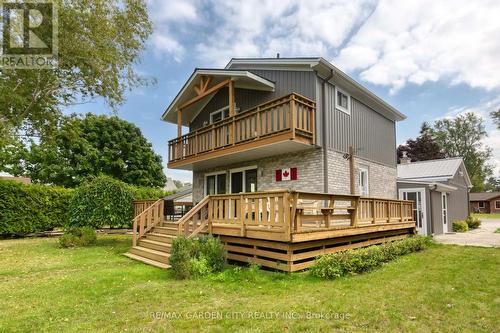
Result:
293,114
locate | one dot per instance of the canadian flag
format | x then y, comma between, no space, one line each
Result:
286,174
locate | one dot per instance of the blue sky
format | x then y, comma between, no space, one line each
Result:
429,59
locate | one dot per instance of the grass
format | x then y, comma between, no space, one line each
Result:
49,289
487,216
497,231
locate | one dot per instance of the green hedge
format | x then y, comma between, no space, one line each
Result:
361,260
473,222
102,201
32,208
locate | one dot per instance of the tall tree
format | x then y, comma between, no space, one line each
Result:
99,43
423,148
93,145
462,136
493,184
495,115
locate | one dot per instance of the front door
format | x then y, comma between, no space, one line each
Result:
419,209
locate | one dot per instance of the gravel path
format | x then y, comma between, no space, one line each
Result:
483,236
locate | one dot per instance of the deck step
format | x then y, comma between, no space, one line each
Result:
150,254
146,260
160,237
165,230
155,245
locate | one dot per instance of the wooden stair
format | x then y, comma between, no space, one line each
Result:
153,234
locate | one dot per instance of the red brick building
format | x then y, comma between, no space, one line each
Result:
485,202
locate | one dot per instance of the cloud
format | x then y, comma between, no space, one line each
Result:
418,41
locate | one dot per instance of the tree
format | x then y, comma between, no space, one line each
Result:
495,115
99,44
462,137
93,145
493,184
423,148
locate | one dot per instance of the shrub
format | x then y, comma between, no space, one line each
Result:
473,222
362,260
102,201
83,236
460,226
30,208
197,257
145,193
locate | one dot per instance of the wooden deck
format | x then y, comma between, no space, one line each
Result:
286,230
288,118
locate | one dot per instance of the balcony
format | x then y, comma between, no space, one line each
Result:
285,124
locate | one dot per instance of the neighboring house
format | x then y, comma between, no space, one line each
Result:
485,202
170,185
282,123
439,189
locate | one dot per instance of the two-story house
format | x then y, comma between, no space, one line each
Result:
242,137
291,159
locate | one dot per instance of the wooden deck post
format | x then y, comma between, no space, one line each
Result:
293,115
351,170
231,111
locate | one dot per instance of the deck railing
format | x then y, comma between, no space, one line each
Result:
147,219
291,113
281,213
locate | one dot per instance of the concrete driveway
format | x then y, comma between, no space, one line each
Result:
483,236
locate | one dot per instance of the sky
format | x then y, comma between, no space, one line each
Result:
429,59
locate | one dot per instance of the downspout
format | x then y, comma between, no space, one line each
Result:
323,128
431,211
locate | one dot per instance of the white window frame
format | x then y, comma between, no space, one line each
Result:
339,107
243,169
215,173
444,211
364,169
222,110
496,202
481,204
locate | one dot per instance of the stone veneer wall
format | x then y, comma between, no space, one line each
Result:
381,178
309,164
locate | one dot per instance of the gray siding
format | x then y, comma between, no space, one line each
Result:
365,129
458,201
286,82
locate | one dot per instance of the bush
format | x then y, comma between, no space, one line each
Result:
362,260
83,236
30,208
460,226
102,201
473,222
146,193
197,257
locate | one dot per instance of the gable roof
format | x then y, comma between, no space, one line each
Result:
483,196
241,79
187,189
325,69
432,170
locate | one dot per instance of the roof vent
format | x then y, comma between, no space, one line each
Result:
405,159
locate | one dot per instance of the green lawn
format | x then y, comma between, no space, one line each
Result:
487,216
45,288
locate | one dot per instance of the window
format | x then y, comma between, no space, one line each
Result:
244,180
342,101
215,183
497,204
481,204
363,181
219,114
